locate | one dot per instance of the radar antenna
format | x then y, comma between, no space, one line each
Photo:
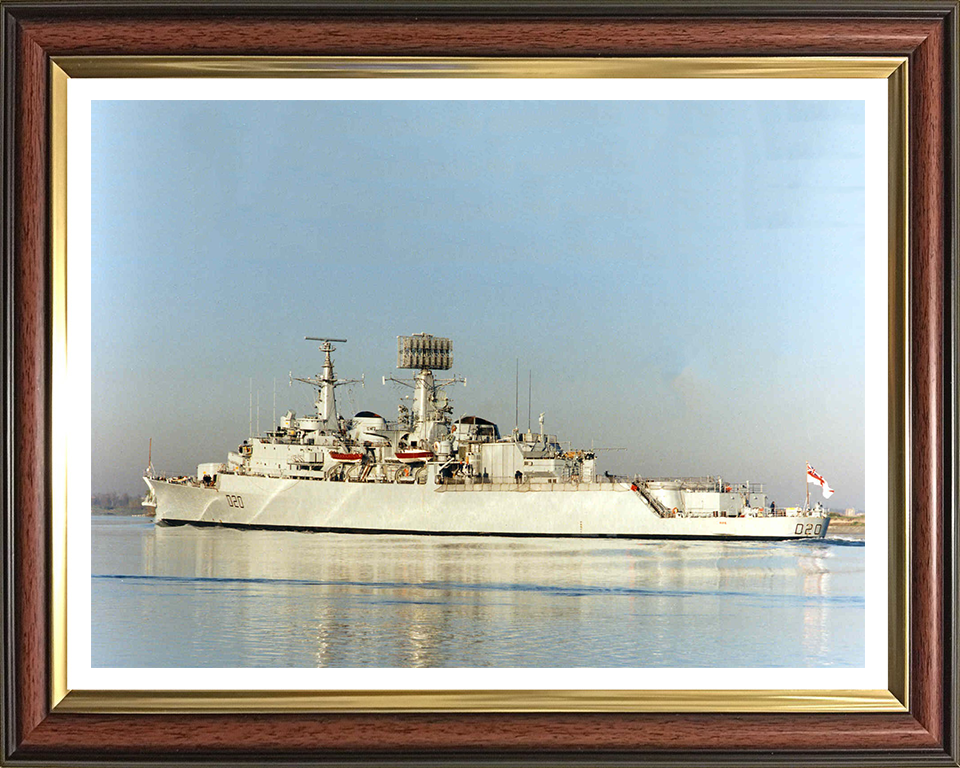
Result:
425,354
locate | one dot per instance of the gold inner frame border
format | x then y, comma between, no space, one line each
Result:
894,699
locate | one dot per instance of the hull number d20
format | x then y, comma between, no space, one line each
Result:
234,501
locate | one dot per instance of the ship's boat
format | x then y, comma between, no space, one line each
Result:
413,457
346,458
426,473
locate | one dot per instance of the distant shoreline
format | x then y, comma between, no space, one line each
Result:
848,523
137,511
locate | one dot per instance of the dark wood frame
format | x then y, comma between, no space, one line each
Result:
926,32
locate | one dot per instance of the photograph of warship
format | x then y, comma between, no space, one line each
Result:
428,473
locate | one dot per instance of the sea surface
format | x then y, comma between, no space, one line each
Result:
215,597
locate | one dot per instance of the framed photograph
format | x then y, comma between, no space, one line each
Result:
666,247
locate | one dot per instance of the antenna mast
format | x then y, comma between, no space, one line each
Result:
326,383
529,390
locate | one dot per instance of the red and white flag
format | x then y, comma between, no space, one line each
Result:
813,477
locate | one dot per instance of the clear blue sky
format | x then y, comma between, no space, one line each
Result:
685,280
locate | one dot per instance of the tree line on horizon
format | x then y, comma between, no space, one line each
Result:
115,501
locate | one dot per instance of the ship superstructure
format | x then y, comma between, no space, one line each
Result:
426,472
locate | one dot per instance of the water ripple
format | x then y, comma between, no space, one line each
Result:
544,589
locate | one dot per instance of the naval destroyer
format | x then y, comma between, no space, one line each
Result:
427,472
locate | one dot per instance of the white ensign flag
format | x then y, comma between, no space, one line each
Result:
813,477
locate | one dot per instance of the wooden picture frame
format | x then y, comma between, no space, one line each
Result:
36,34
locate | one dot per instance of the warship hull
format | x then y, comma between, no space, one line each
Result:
428,473
588,509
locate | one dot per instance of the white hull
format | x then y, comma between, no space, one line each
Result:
586,509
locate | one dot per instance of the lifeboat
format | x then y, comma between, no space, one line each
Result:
411,457
346,458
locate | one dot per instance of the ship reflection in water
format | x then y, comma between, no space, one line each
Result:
213,597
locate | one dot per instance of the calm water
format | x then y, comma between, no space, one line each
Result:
192,597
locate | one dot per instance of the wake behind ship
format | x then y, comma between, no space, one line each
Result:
426,473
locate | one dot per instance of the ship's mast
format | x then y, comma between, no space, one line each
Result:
425,353
326,384
423,395
149,472
326,400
